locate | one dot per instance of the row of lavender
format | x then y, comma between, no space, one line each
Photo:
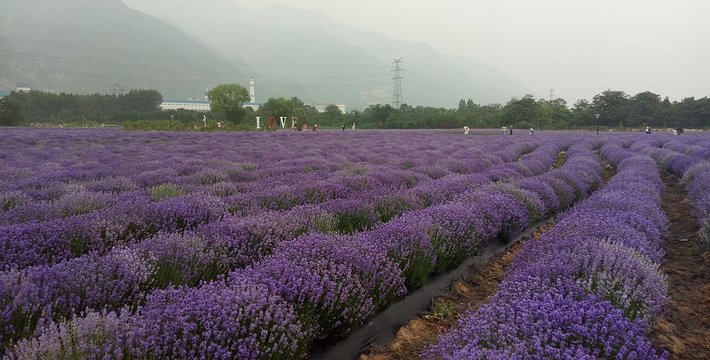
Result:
56,165
114,281
134,216
587,289
36,295
319,284
52,242
690,160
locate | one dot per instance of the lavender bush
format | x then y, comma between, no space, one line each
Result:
587,289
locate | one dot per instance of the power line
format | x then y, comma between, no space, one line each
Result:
277,65
382,84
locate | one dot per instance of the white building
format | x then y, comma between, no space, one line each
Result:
197,105
321,108
22,88
204,105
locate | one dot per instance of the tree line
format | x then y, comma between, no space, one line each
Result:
38,106
614,109
140,109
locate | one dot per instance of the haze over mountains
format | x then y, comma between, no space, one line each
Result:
87,46
181,47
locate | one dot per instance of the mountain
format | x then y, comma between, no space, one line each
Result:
88,46
305,53
181,47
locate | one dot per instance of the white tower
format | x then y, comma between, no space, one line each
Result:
252,95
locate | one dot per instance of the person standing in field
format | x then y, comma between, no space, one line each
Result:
343,126
532,131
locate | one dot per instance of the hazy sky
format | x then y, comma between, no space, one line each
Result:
577,47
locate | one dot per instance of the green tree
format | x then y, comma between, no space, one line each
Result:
555,114
378,115
140,100
226,100
644,109
278,107
582,113
10,111
462,105
521,112
332,113
612,106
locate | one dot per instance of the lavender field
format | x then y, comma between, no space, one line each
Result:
129,245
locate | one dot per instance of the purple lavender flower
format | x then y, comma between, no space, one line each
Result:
93,336
47,293
534,318
408,244
352,214
613,271
336,281
241,319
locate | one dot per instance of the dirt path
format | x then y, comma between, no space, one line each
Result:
684,327
465,295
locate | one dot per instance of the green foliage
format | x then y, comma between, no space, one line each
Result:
612,107
80,206
166,191
333,112
615,108
521,113
226,100
170,125
139,110
10,112
38,106
10,201
442,309
280,107
392,208
293,107
353,221
140,100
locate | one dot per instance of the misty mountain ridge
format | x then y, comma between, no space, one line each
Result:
181,47
87,46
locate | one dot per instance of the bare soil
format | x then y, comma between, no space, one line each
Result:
684,327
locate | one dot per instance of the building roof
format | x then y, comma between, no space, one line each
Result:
181,101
